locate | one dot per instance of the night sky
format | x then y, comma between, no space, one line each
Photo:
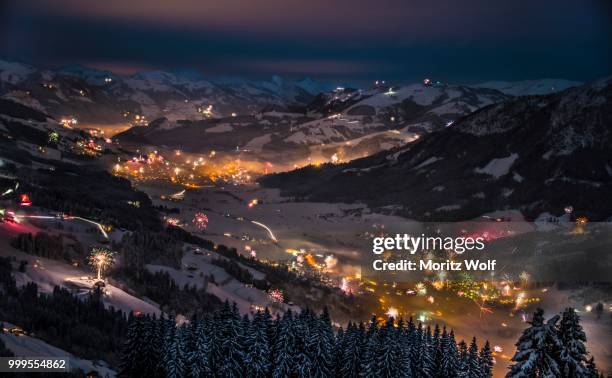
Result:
350,40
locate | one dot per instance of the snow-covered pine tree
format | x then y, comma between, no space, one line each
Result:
450,356
437,338
573,351
340,344
321,345
591,369
464,369
368,365
537,349
303,353
473,363
485,359
232,348
174,361
426,364
350,352
198,359
131,352
387,351
283,356
404,366
257,357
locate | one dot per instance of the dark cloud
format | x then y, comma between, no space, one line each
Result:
345,39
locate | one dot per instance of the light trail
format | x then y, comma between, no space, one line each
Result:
66,218
270,233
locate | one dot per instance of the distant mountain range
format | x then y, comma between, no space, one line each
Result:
537,154
95,96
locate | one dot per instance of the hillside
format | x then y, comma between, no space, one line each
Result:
537,154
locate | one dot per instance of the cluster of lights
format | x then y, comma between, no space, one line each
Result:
69,122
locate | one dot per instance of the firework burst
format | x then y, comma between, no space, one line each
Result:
101,259
200,220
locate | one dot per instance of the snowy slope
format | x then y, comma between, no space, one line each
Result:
529,87
26,346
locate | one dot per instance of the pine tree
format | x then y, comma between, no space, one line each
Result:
464,369
321,345
152,342
350,352
257,358
537,349
450,357
368,364
283,358
387,351
198,359
473,363
404,367
303,352
485,360
174,363
427,353
591,369
132,348
573,351
232,350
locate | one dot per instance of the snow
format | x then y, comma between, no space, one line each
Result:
256,144
14,73
26,346
222,128
196,266
448,208
47,274
498,167
427,162
529,87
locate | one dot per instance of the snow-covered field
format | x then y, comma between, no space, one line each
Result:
47,274
26,346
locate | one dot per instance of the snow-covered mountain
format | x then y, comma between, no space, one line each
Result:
536,154
276,115
97,96
347,122
529,87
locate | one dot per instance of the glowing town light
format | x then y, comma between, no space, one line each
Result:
588,308
252,203
390,92
334,158
330,262
344,286
200,220
430,299
101,259
498,349
506,290
172,221
392,312
520,299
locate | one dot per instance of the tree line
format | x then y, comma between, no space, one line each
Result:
224,344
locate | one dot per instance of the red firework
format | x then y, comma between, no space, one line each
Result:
200,220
